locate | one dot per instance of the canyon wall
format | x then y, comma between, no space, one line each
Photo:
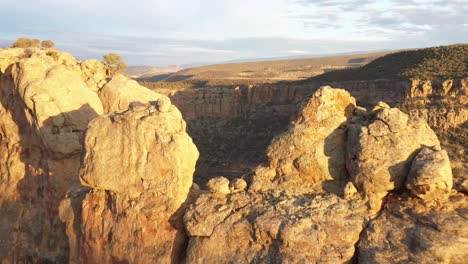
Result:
232,126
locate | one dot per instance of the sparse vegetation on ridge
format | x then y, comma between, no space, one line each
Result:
437,62
114,63
26,43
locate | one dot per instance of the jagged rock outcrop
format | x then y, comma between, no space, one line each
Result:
275,223
233,126
313,149
140,164
305,205
381,147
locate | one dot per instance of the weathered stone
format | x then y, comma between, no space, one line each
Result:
273,228
380,152
45,106
313,149
237,185
219,185
430,176
135,150
140,163
120,92
407,231
349,190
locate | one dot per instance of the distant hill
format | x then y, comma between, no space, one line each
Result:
268,71
428,63
149,71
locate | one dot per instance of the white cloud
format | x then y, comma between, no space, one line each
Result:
182,31
299,52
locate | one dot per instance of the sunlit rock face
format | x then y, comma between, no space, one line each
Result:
313,148
48,98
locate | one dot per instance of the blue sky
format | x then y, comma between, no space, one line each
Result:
178,32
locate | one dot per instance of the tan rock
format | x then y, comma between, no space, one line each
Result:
94,74
349,190
409,232
379,153
273,228
45,106
312,150
237,185
140,149
380,105
120,92
219,185
430,176
141,230
140,163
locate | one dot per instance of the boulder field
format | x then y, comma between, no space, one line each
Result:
97,169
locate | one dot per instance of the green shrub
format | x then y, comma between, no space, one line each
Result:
114,63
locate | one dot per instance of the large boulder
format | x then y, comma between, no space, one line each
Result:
430,176
140,164
313,149
380,150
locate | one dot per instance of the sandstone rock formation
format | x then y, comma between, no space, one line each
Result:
408,231
326,193
233,126
140,164
120,92
313,149
219,185
276,222
273,227
47,100
380,150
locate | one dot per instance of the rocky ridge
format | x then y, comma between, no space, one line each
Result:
108,178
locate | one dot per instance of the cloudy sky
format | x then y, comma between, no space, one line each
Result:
175,32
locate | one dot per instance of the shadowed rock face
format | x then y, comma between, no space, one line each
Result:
45,108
